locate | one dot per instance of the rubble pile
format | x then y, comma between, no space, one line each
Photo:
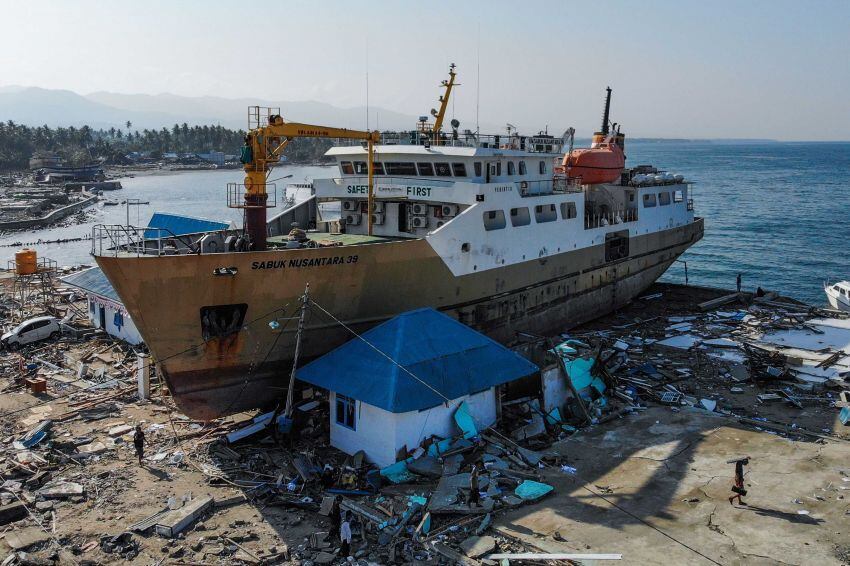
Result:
760,358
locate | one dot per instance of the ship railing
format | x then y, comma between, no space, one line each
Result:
622,216
112,240
532,144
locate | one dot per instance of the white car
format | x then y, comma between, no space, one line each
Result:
32,330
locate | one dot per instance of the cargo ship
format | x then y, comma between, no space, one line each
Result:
506,233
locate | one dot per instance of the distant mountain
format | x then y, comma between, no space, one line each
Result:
233,113
37,106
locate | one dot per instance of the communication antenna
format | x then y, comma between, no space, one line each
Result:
478,84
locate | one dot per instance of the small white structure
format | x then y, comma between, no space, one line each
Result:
105,308
387,405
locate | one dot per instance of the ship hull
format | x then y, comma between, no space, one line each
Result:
360,286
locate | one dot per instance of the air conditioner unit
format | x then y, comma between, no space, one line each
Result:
418,209
350,206
419,222
352,219
378,206
450,210
377,219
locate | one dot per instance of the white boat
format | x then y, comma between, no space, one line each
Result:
838,295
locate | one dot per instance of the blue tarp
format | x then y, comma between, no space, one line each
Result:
178,225
450,357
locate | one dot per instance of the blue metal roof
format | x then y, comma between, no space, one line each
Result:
447,355
93,281
178,225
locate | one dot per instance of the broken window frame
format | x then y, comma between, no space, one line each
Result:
348,416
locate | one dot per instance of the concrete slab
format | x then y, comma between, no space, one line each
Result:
667,471
478,546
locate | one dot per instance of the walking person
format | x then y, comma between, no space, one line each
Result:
139,443
738,488
738,282
345,535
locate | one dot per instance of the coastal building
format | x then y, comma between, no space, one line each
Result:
215,157
403,381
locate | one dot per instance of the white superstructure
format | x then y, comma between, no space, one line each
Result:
487,207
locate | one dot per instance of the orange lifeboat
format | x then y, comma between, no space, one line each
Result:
600,164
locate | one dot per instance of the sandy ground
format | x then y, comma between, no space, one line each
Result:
666,471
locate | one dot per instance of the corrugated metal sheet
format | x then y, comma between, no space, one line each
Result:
179,225
450,357
93,281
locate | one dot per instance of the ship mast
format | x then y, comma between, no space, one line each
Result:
439,115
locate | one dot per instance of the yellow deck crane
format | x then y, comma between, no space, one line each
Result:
263,147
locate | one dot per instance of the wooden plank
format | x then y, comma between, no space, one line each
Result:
720,301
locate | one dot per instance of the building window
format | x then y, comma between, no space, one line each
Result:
511,168
520,216
522,169
477,168
494,220
568,210
459,169
542,167
443,169
664,198
545,213
425,169
649,200
347,168
345,411
399,168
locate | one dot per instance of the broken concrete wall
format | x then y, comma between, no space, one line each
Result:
555,389
380,434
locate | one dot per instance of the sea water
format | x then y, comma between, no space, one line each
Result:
777,213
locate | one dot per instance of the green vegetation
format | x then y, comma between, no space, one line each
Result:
79,146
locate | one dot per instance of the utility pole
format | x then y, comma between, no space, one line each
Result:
305,300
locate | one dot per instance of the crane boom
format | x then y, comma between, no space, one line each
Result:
263,148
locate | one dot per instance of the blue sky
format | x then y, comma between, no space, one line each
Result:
750,69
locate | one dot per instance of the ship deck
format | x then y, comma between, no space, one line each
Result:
337,239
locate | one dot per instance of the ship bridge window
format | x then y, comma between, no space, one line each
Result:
498,168
649,200
568,210
511,168
541,167
222,320
520,216
425,169
443,169
545,213
405,169
678,196
459,169
361,169
663,198
522,169
477,166
494,220
346,167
